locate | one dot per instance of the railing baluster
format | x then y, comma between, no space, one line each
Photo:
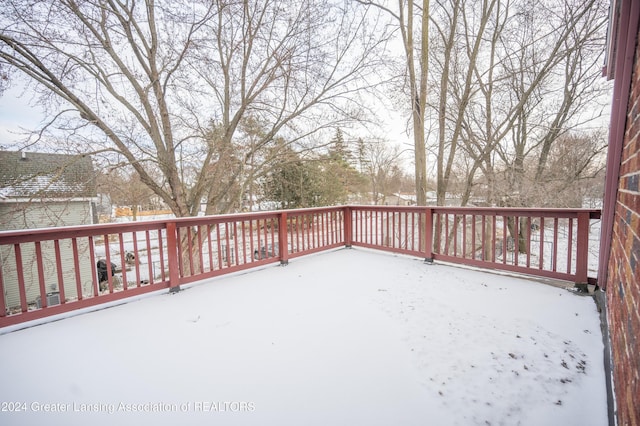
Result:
251,240
210,246
455,235
61,289
555,245
147,239
528,241
464,236
136,261
570,245
76,267
236,243
244,243
541,261
516,239
484,237
3,305
123,266
92,262
493,238
505,241
200,254
190,248
324,231
41,283
406,230
473,236
163,248
21,284
446,234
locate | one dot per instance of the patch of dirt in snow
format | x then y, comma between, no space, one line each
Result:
482,369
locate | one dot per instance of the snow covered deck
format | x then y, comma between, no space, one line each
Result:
348,337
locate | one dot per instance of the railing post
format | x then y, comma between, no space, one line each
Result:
3,305
283,234
172,254
428,235
348,217
582,249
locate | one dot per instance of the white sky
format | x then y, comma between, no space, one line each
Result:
15,115
342,338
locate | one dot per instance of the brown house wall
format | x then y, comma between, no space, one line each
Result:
623,284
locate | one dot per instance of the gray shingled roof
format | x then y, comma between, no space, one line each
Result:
45,175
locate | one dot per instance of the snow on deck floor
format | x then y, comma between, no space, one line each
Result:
350,337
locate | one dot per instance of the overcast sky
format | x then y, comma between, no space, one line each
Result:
16,114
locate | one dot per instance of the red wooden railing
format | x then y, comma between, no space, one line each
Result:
52,271
551,243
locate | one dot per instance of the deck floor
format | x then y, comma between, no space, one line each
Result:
340,338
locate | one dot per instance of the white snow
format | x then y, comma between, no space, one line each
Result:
349,337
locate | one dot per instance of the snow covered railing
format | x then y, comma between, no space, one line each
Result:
45,272
52,271
551,243
224,244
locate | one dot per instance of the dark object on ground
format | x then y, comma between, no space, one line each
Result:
101,267
264,252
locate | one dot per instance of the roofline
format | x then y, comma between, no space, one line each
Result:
6,200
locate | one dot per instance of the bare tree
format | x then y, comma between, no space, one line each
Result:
417,71
513,78
166,87
125,189
380,164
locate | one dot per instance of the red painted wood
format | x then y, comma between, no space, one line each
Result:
41,284
21,287
282,239
173,254
76,267
555,244
92,257
61,289
3,305
296,233
80,304
541,260
582,255
136,261
125,281
570,246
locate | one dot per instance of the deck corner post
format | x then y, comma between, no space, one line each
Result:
428,235
172,254
348,222
582,250
283,248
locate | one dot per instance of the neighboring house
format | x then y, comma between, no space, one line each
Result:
400,199
619,273
39,190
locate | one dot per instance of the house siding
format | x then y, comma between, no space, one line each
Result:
14,216
623,283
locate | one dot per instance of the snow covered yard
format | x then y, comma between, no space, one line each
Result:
349,337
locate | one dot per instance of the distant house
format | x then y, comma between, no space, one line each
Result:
400,199
42,190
